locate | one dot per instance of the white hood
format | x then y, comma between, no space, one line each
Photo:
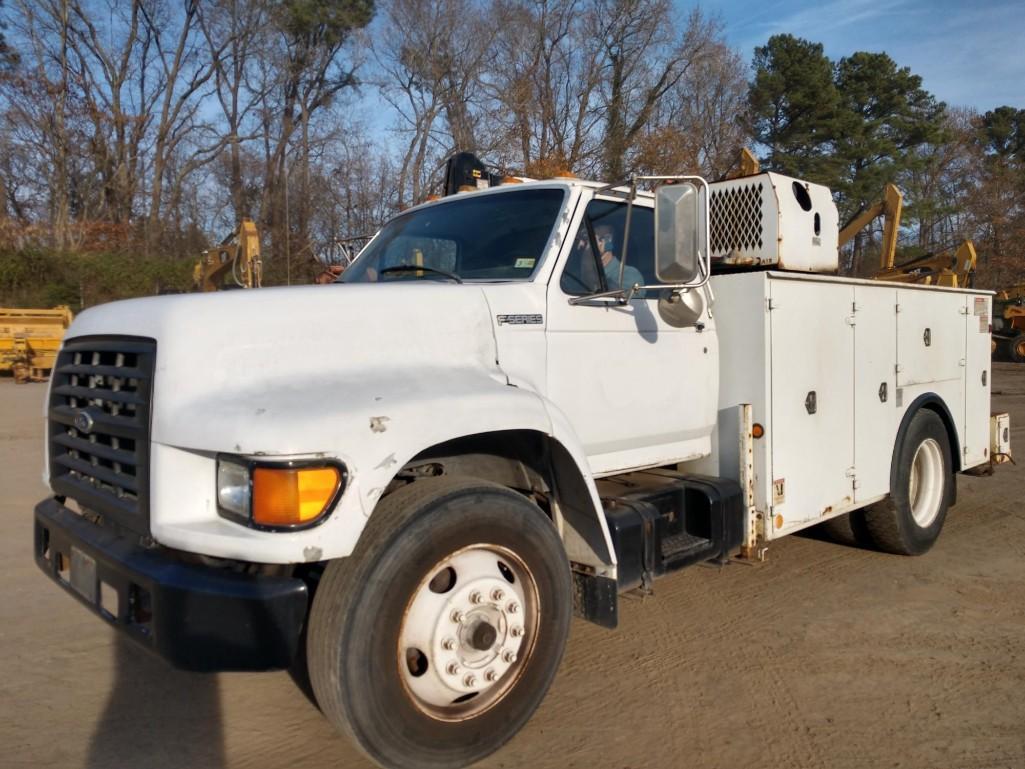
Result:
231,357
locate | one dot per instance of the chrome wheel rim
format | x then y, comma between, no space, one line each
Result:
925,487
467,632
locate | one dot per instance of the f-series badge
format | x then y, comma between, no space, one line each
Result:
520,320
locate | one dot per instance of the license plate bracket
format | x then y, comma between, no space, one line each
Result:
83,574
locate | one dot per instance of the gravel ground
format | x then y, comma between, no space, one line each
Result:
823,656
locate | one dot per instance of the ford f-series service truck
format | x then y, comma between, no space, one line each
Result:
517,404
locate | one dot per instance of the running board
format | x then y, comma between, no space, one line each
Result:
662,521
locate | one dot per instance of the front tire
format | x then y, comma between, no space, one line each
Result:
438,638
910,519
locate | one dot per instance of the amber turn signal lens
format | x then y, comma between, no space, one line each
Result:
757,431
290,496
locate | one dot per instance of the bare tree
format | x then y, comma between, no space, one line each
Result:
699,125
303,72
545,80
181,71
431,57
232,30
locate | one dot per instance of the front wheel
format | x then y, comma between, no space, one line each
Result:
909,520
438,638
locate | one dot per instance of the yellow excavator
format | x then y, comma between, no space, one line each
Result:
1009,324
235,263
952,267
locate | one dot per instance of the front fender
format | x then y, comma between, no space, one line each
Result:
374,426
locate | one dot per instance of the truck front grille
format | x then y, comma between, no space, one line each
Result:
99,424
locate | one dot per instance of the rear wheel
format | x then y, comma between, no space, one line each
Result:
1016,348
438,638
909,520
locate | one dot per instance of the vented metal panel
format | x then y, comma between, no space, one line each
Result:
99,426
735,215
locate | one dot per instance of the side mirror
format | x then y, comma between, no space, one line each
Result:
681,240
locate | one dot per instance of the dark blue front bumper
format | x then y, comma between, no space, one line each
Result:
197,617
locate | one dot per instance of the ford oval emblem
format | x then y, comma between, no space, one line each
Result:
84,421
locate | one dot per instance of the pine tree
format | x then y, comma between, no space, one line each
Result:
886,116
796,108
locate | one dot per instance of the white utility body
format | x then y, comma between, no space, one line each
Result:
517,403
859,346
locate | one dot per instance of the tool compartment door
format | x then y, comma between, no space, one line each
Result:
876,411
812,434
977,381
930,336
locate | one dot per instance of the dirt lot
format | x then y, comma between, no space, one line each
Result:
824,656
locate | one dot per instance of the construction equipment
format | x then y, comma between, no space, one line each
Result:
1009,324
949,267
30,339
889,207
235,263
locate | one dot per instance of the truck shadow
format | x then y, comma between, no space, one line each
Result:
846,530
157,716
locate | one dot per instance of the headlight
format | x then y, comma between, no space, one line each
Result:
233,488
278,495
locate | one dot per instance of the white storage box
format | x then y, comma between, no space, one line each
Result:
773,220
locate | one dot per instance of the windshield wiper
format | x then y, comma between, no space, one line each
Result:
418,267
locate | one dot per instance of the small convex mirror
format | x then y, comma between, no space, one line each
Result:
679,231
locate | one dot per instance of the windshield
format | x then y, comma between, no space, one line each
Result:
473,237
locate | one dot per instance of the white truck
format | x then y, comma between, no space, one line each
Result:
517,404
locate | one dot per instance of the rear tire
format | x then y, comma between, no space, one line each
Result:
1016,348
438,638
909,520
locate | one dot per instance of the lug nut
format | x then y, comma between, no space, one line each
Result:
448,644
457,616
497,594
516,631
513,607
452,669
476,597
490,676
470,680
508,656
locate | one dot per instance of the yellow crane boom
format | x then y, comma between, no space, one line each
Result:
890,208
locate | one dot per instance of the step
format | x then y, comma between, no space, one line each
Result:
662,521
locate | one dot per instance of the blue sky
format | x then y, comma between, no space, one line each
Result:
967,53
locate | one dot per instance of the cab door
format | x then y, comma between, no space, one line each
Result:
637,391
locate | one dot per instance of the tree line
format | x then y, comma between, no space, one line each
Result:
150,127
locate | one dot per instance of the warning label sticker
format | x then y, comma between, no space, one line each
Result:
779,494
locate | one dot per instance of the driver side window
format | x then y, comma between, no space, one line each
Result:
594,264
581,275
